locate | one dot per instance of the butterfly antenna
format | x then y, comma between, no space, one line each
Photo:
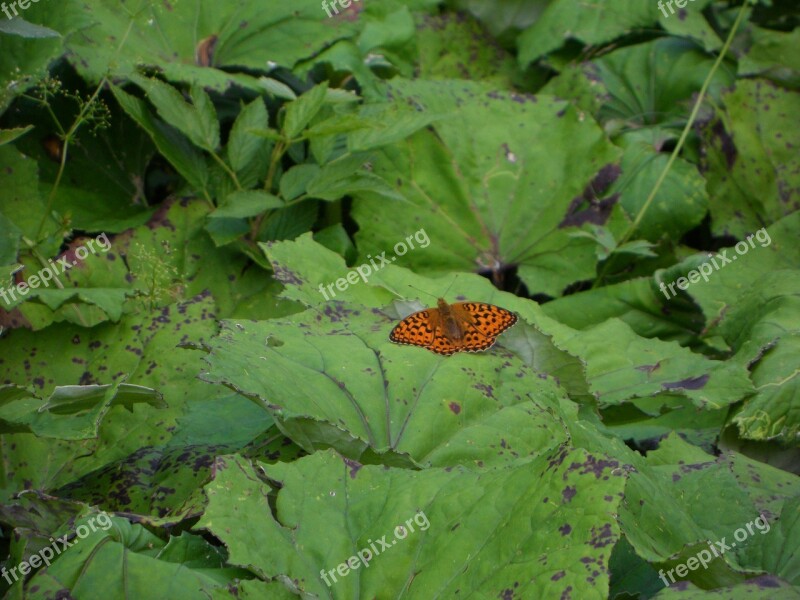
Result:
433,296
451,285
423,291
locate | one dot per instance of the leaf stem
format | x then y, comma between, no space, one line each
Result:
684,134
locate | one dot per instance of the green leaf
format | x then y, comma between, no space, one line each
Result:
348,175
489,399
753,170
109,300
116,546
393,124
691,23
245,37
344,123
243,145
277,88
594,25
246,203
775,549
434,522
289,222
9,135
296,180
770,55
680,204
23,209
10,236
488,197
71,412
24,61
206,117
454,47
641,367
300,112
644,84
19,26
186,159
197,121
394,29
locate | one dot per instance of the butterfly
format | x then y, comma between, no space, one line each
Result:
450,328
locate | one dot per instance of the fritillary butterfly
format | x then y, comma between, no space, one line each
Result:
450,328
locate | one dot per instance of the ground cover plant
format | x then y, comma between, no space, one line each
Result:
213,214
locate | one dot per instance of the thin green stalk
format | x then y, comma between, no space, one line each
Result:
679,146
231,173
67,138
275,159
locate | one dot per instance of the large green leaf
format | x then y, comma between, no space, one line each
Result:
752,162
749,294
127,560
384,398
194,42
451,47
537,528
643,84
72,412
642,367
141,348
490,197
24,60
670,515
592,24
770,55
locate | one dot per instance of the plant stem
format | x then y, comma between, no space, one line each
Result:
679,146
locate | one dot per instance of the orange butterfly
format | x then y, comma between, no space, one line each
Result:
450,328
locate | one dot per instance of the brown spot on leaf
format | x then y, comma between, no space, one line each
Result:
690,383
588,207
354,467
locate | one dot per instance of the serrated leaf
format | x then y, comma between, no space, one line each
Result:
71,412
196,121
433,522
487,196
246,203
300,112
206,117
186,159
243,145
9,135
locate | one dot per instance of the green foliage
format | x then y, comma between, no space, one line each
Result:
213,213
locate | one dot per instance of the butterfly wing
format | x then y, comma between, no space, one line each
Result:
415,330
423,328
481,324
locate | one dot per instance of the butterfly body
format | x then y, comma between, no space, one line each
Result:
450,328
